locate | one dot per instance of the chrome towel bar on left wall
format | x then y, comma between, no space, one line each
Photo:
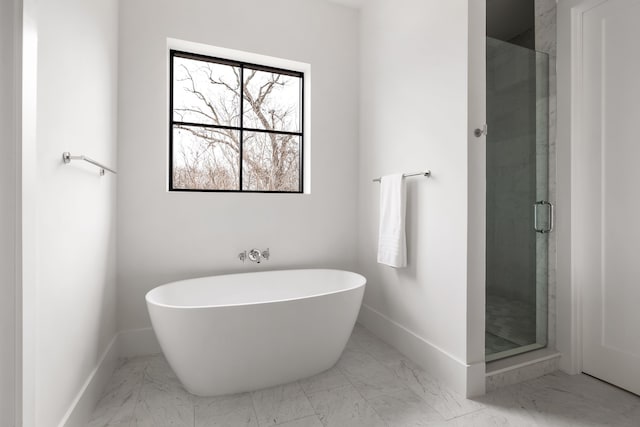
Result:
426,173
67,157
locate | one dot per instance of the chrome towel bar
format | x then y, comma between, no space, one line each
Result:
405,175
67,157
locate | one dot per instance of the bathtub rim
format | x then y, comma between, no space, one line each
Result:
362,283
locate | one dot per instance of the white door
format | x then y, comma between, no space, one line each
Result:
607,181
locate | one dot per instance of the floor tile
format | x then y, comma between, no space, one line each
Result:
553,407
311,421
511,319
235,410
161,405
448,403
377,348
496,344
367,375
159,371
326,380
119,399
344,406
633,414
586,387
276,405
489,418
405,408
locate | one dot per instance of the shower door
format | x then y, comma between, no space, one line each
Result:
518,212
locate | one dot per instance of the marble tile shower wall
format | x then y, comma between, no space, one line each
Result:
545,29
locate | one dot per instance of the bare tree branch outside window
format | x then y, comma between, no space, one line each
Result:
223,111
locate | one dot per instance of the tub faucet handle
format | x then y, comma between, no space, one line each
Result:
242,256
255,255
265,254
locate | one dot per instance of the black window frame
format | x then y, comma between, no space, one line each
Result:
241,129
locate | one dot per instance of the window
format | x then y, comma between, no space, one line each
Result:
234,126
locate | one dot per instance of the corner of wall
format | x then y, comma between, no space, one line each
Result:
567,333
404,308
476,199
124,344
85,401
476,379
138,342
434,360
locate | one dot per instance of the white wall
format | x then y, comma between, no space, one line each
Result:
76,112
414,116
9,83
165,236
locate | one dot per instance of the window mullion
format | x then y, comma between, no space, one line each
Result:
241,123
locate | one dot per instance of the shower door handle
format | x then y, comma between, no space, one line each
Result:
549,207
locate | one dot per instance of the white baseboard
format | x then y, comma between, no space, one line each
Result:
138,342
83,405
468,380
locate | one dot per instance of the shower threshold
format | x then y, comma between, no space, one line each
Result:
513,352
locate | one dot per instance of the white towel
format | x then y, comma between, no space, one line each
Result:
392,246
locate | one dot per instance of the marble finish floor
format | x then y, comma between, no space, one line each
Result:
495,344
510,323
371,385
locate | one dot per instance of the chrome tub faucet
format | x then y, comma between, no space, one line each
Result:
254,255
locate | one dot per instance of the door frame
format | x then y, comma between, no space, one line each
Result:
569,197
26,228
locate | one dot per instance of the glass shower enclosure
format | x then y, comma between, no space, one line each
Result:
518,212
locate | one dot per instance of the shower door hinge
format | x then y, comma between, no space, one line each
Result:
549,206
479,132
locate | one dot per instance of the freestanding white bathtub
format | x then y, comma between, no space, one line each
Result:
242,332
